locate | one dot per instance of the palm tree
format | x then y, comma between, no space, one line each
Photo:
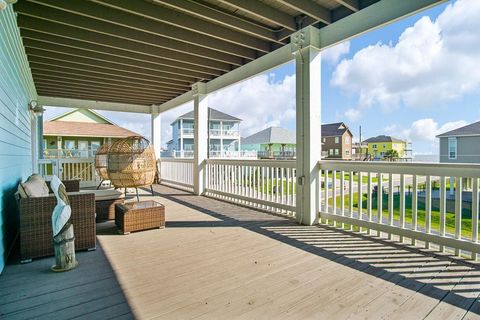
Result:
391,155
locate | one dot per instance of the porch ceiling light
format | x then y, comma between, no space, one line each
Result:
35,107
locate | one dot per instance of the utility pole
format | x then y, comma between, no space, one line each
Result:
360,141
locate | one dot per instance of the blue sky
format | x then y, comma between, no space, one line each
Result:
411,79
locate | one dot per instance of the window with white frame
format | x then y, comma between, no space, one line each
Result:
347,152
331,151
337,139
374,146
337,152
452,148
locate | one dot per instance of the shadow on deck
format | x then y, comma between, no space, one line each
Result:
218,260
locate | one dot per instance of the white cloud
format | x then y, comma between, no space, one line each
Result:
426,130
333,54
261,102
353,114
432,63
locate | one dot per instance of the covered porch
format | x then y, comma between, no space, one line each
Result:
217,260
301,238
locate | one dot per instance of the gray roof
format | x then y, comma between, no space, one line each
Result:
214,115
271,135
383,138
334,129
468,130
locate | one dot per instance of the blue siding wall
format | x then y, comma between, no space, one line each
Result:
16,90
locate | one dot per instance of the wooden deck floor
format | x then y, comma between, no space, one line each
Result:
219,261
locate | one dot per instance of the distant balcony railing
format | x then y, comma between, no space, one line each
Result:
68,153
276,154
213,132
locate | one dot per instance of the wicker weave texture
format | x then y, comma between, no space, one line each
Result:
106,209
130,219
131,162
36,224
101,161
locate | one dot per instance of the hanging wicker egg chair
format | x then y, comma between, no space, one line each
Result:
101,161
131,162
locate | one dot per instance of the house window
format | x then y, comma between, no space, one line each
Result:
69,144
336,152
374,146
347,152
384,146
323,139
347,140
331,151
337,139
452,148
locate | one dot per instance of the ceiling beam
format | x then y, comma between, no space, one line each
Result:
113,64
93,96
39,80
126,60
186,22
94,17
76,78
311,9
77,89
101,76
92,104
263,11
141,42
353,5
52,63
221,18
42,30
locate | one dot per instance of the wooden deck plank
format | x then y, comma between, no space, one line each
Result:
218,260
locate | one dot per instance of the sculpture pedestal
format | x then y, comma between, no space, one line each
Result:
64,245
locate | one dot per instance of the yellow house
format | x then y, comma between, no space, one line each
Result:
379,146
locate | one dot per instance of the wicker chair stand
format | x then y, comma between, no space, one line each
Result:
36,223
131,163
137,216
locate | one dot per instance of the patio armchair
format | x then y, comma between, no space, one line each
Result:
36,227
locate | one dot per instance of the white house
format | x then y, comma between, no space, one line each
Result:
223,135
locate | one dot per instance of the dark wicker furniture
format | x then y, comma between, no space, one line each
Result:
140,215
36,222
106,209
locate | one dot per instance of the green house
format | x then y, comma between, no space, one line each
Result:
273,142
79,133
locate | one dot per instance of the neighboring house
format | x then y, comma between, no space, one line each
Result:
79,133
360,151
461,145
379,146
336,141
224,135
273,142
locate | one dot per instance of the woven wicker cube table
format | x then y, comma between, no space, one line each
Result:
137,216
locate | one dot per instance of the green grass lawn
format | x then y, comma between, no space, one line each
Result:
435,217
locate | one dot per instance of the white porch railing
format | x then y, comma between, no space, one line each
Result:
386,197
268,185
70,169
177,172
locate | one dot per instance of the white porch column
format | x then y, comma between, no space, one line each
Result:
305,46
181,138
200,107
156,133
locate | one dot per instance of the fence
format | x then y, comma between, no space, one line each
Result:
268,185
177,172
70,169
362,195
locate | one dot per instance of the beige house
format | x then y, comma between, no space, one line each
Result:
79,133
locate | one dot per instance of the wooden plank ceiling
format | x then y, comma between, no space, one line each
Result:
150,51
